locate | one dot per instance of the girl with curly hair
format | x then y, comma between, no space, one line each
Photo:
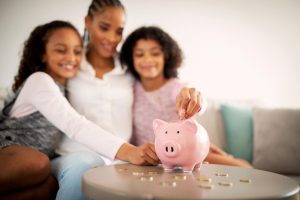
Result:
33,121
29,125
153,57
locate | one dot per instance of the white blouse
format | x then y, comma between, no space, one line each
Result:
106,102
40,93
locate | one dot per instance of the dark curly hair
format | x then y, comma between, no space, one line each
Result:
172,53
35,48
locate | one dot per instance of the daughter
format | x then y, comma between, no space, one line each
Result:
153,57
33,121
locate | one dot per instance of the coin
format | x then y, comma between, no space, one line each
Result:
227,184
221,174
152,173
245,180
122,169
204,179
146,178
207,187
138,173
180,177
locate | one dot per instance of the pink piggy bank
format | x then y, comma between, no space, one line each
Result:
183,144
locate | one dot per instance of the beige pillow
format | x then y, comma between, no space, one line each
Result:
277,140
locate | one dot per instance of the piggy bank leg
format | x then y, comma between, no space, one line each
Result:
167,167
197,166
188,168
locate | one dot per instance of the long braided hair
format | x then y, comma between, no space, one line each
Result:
98,6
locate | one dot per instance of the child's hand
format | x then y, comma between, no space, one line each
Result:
147,152
141,155
188,102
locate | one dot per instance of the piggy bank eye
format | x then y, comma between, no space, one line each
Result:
178,132
166,132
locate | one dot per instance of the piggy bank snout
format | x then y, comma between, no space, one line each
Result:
171,148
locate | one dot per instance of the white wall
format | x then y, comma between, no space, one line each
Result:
234,49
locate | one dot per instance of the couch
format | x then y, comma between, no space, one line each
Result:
269,138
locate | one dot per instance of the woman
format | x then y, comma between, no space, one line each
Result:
103,92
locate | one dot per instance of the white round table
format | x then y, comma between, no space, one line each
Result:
132,182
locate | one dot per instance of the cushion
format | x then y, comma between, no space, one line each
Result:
238,124
277,140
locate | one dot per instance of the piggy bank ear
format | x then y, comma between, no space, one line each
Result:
158,123
190,126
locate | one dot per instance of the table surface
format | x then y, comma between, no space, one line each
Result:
126,181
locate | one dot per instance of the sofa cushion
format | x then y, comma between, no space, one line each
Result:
238,124
277,140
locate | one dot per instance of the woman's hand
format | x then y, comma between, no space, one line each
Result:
188,102
141,155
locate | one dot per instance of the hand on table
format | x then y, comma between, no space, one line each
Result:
147,154
141,155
